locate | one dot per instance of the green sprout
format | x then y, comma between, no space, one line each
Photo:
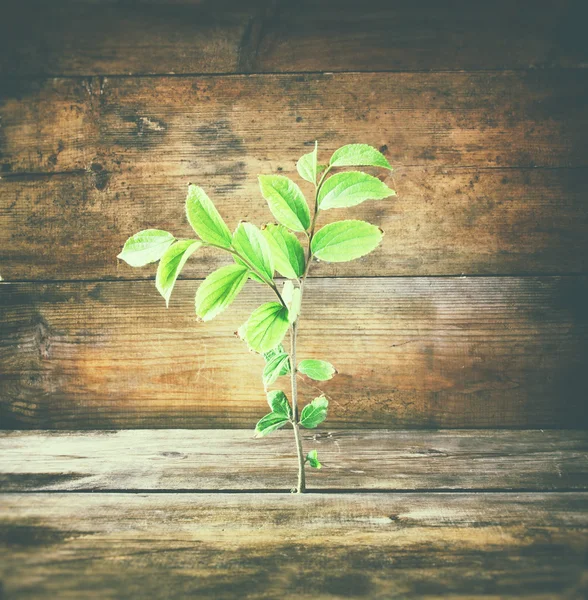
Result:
259,253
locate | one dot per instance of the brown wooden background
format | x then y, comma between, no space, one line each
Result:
473,313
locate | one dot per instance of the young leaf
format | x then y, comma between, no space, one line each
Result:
274,368
279,349
359,155
315,413
307,167
171,265
294,305
249,242
270,423
279,403
286,201
286,249
204,218
319,370
146,247
351,188
312,459
219,290
292,296
266,327
345,240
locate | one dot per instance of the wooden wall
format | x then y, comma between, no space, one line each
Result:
473,313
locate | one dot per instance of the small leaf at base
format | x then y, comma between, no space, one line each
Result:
312,459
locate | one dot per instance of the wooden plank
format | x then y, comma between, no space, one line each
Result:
317,546
127,148
143,460
423,35
189,36
411,352
443,222
86,38
199,126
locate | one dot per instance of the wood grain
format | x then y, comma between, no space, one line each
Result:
168,460
443,222
198,126
318,546
121,152
411,352
192,36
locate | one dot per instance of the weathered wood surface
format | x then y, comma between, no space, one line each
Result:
121,152
443,222
411,352
190,36
224,546
168,460
194,126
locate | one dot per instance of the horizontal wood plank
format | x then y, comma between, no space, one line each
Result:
411,352
121,153
199,126
223,546
167,460
443,222
69,37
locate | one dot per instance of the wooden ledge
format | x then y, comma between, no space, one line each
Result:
318,546
225,460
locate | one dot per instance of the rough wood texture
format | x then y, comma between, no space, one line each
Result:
411,352
222,36
226,546
121,152
194,126
443,222
168,460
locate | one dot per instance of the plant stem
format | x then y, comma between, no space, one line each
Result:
301,460
301,475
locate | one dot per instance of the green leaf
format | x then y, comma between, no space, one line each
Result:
279,403
279,349
315,413
359,155
146,247
171,265
351,188
312,459
292,296
294,305
249,242
307,167
279,365
219,290
286,250
270,423
204,218
266,327
319,370
286,201
345,240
